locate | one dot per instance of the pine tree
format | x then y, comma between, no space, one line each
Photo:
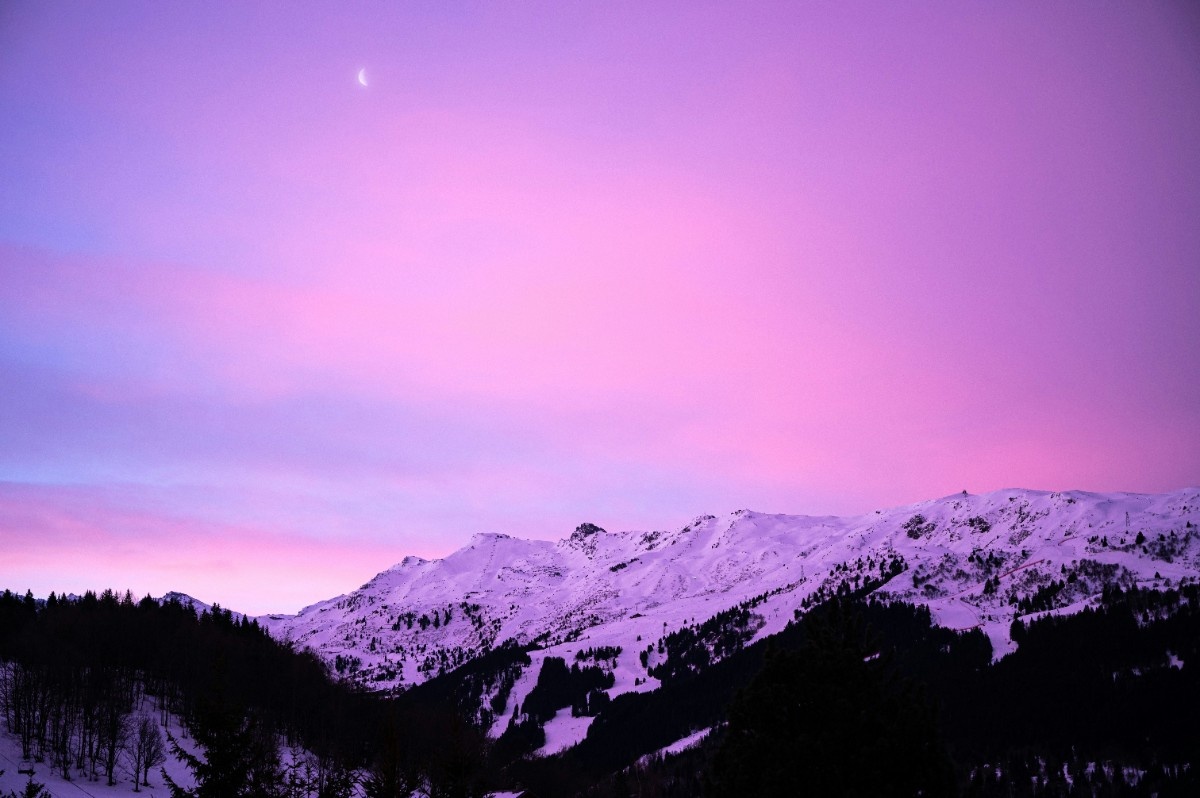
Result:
32,789
831,719
393,774
241,757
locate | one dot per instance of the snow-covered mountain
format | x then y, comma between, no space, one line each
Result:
974,560
970,558
195,603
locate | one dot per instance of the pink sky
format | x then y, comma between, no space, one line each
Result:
264,332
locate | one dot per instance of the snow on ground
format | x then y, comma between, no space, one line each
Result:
58,787
955,614
687,742
79,785
679,746
564,731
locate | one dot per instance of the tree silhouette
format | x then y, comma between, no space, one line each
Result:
145,749
241,757
832,719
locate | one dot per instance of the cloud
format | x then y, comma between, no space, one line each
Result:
554,267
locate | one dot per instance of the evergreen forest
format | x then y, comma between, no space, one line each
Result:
856,697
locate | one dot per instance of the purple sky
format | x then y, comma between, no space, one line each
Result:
263,331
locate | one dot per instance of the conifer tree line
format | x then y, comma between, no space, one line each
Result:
862,697
856,697
82,718
88,684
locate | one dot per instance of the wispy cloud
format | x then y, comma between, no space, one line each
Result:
569,265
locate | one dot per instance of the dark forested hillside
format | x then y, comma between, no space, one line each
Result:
1116,686
78,674
1099,703
85,646
856,697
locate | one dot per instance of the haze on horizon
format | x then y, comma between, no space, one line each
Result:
265,330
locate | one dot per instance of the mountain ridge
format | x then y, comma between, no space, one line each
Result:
977,560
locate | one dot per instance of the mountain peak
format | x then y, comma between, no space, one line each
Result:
482,537
976,560
586,530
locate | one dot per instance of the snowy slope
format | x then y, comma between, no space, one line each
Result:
81,785
970,558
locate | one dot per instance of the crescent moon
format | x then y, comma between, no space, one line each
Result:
362,77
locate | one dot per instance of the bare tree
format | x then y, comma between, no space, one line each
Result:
145,749
26,693
87,749
114,731
324,776
64,719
